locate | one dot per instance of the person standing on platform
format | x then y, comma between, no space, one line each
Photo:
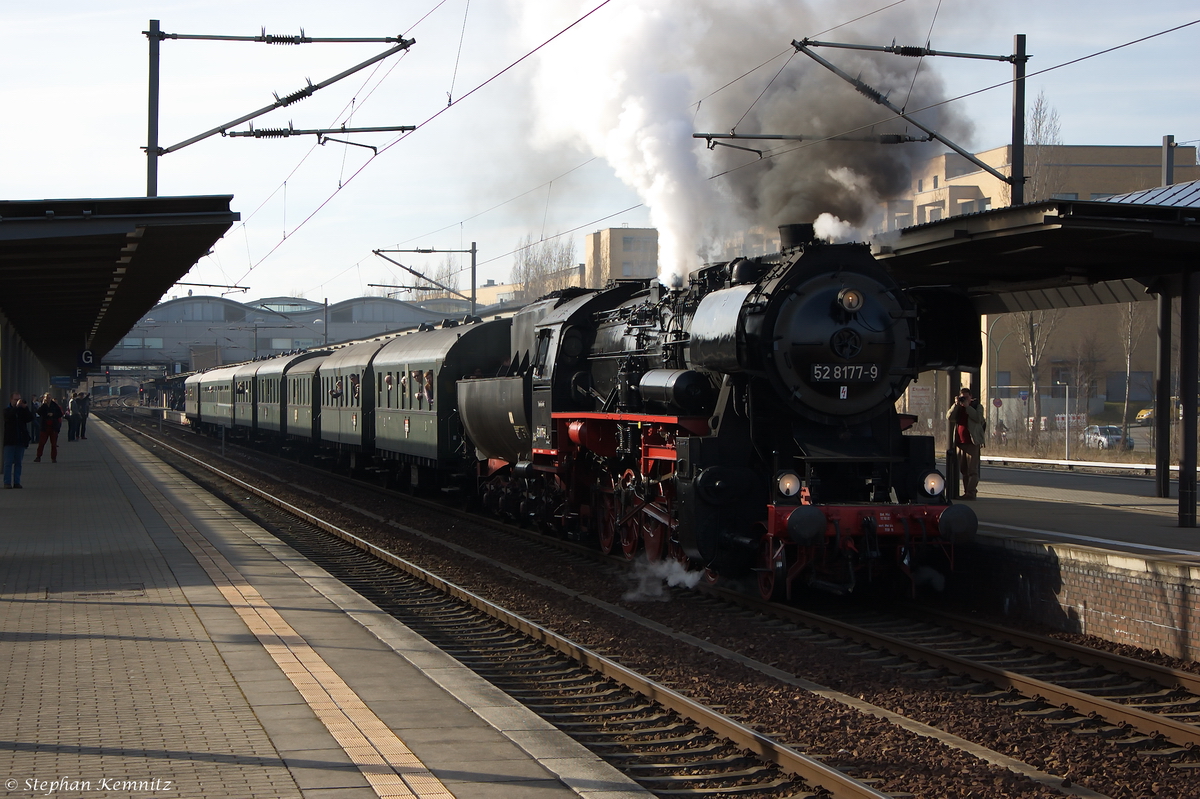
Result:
35,427
51,414
967,427
17,418
85,402
74,414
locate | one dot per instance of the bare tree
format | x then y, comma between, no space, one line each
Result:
1088,356
1033,330
544,266
1043,137
447,273
1132,325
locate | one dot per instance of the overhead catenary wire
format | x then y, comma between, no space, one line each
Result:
764,91
500,204
462,35
350,105
243,224
478,87
921,60
514,251
792,51
784,151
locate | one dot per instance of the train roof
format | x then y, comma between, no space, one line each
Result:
358,354
219,375
242,371
434,345
285,363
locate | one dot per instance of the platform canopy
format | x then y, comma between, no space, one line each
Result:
1054,254
1068,253
76,275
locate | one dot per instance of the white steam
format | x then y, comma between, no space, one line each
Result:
654,578
619,92
635,80
830,228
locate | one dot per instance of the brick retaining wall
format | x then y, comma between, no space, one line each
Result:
1128,599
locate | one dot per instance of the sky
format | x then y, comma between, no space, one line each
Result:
547,118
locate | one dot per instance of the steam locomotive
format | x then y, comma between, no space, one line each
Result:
743,424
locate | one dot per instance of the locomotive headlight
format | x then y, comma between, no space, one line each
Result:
789,484
850,300
933,483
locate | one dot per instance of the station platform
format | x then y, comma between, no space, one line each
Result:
1112,511
157,642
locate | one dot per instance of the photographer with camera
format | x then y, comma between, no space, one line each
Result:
967,431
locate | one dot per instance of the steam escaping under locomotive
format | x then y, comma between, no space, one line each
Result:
744,424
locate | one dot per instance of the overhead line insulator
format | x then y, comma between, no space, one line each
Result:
296,96
268,133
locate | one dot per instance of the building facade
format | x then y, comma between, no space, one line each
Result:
615,253
185,334
950,185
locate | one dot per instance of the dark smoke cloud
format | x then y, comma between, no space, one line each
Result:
807,99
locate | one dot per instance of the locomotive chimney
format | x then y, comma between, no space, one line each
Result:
791,236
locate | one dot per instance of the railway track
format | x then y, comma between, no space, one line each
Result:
1092,700
667,742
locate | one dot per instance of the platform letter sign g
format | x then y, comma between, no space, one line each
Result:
86,359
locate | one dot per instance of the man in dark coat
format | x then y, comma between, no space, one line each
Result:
51,414
17,418
85,403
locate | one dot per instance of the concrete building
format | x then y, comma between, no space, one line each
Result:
615,253
950,185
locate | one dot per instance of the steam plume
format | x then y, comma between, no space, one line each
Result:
627,89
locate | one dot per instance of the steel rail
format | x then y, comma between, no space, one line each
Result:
1152,672
840,785
1150,724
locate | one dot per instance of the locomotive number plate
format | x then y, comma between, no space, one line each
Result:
845,372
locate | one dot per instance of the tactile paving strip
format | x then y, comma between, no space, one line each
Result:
384,760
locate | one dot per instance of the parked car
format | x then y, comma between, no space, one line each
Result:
1105,436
